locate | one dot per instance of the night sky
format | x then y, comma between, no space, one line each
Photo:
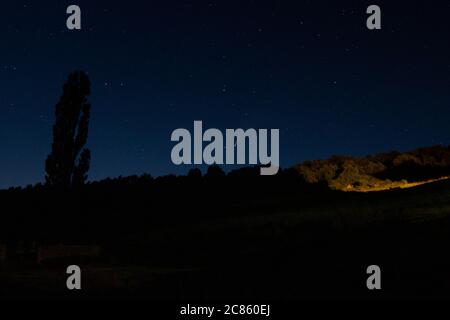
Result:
310,68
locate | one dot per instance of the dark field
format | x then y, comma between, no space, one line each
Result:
245,244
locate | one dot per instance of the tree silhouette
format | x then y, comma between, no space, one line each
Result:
68,163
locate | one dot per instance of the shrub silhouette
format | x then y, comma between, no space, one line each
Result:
195,173
68,163
214,171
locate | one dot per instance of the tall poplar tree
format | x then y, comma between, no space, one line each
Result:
68,163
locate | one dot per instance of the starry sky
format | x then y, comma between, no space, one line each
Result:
310,68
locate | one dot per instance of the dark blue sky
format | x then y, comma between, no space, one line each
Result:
310,68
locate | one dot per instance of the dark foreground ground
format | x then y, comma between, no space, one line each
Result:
293,245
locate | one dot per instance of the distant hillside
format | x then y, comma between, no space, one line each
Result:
381,171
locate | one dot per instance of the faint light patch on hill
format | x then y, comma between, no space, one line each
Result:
392,185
